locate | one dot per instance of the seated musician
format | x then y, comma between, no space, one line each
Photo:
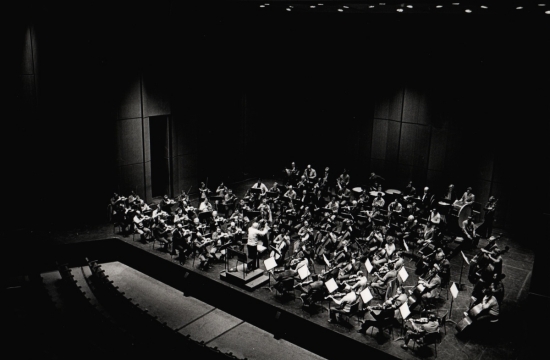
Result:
394,210
302,184
318,200
164,234
348,299
344,178
434,217
142,206
425,200
316,290
219,238
344,195
415,331
374,243
166,203
221,190
200,244
409,229
378,201
290,193
183,197
326,181
205,206
287,275
275,189
260,185
384,318
428,235
180,217
497,287
410,190
381,283
204,191
291,173
397,260
469,230
431,285
485,309
410,208
333,205
280,246
217,220
328,244
181,242
139,226
310,174
450,195
467,198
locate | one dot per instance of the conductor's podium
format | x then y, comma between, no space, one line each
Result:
249,281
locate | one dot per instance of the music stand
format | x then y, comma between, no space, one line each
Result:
454,292
223,247
269,264
303,272
203,216
460,285
272,194
256,191
369,266
366,295
327,263
403,274
405,313
241,257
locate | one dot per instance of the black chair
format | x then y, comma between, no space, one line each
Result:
287,288
428,339
384,325
349,311
442,320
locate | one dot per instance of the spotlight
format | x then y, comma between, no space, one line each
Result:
519,8
287,9
371,6
262,5
468,11
547,12
439,6
320,4
456,3
346,7
312,6
399,10
410,6
483,7
340,10
542,4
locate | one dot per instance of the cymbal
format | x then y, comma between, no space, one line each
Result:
375,193
357,189
393,191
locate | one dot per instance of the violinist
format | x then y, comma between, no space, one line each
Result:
486,309
291,173
163,233
316,290
428,288
290,193
204,191
378,201
394,210
344,178
347,300
200,244
180,217
382,282
326,181
181,241
205,206
287,275
304,198
333,205
410,229
310,174
166,204
434,217
302,184
221,190
260,185
183,200
450,195
380,320
140,228
417,331
343,195
219,238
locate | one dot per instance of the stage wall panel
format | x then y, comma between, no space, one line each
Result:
129,141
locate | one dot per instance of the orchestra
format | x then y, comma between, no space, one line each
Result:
319,219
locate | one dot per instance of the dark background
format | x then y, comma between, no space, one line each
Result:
436,98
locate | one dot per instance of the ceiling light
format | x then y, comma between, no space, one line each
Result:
542,4
346,7
410,6
312,6
456,3
340,10
371,6
320,4
483,7
519,8
439,6
468,11
262,5
400,10
287,9
547,12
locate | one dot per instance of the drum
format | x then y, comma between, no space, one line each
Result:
464,213
375,193
358,190
393,192
463,324
474,312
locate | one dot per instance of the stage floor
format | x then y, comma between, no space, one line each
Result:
509,340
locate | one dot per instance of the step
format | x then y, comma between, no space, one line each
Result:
256,283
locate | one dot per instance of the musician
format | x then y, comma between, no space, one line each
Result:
166,203
384,318
142,206
291,173
489,309
181,241
275,189
450,195
425,199
417,331
431,284
428,235
344,178
381,283
290,193
486,228
469,230
140,228
343,195
409,229
281,245
378,201
164,234
375,178
180,217
252,245
410,208
318,200
287,275
497,287
200,244
467,197
326,181
333,205
434,217
316,290
302,184
204,191
229,201
349,298
394,210
205,206
304,198
260,185
310,174
221,190
183,200
410,190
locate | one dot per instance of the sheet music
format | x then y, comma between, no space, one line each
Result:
465,258
366,295
303,272
369,266
421,287
261,248
326,260
270,263
331,285
404,310
454,290
403,274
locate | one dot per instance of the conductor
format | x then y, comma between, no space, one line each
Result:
252,244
